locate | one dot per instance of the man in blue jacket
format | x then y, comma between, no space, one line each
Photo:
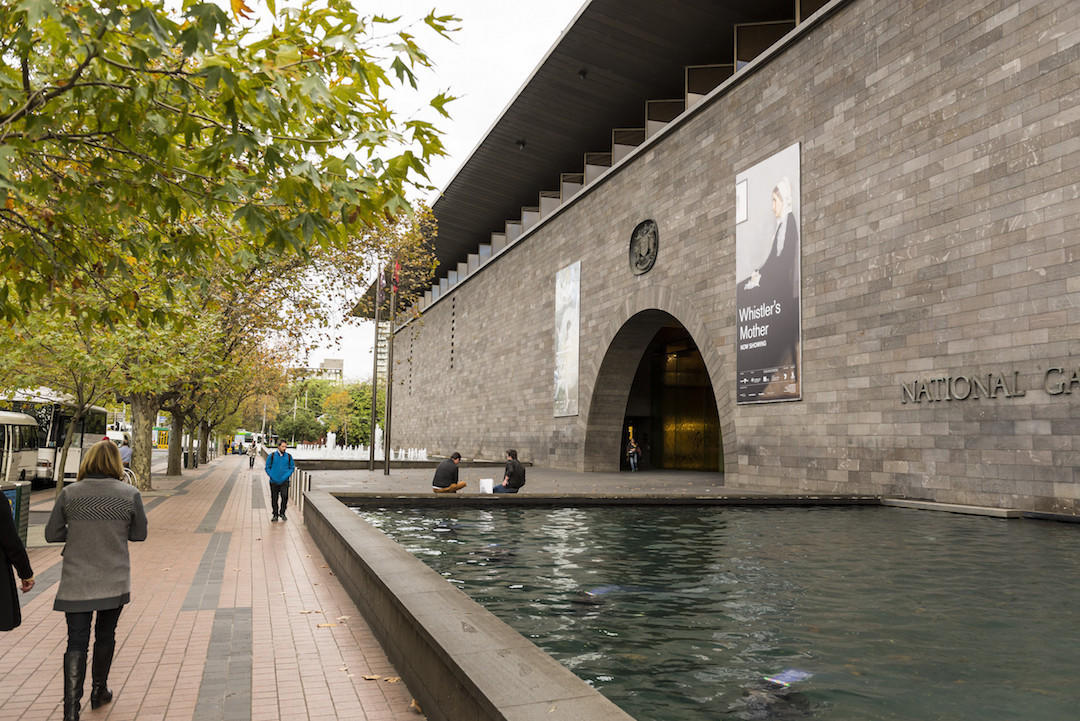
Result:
280,467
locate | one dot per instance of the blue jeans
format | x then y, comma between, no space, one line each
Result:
500,488
633,461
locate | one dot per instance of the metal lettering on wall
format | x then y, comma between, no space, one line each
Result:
1056,381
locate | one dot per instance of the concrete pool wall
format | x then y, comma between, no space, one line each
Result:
460,662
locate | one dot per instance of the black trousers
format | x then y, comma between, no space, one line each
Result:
251,461
279,489
78,623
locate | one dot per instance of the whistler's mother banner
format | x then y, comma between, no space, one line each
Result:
767,279
567,292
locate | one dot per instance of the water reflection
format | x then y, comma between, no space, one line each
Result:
679,613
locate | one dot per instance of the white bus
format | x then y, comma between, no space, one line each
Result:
53,416
18,447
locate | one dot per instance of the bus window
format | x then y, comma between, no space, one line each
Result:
94,423
29,437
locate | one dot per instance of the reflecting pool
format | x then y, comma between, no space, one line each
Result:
677,614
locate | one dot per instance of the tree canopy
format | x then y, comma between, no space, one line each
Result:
133,136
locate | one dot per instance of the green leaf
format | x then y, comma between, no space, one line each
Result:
146,18
439,103
36,10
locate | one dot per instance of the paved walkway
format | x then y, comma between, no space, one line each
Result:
232,617
539,481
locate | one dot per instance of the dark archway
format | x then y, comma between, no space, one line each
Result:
653,378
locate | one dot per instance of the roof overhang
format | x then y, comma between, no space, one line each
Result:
614,56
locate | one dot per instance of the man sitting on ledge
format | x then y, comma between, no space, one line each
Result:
446,480
513,476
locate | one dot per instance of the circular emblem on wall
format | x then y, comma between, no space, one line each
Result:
644,243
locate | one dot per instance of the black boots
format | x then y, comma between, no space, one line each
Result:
99,673
74,675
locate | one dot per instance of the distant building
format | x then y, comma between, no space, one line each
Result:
382,351
331,369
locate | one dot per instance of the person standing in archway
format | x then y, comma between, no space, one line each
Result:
633,452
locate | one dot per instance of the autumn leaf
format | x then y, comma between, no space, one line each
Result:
240,9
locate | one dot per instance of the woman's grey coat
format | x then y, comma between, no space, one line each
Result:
96,517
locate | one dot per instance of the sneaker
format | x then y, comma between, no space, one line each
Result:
274,518
283,516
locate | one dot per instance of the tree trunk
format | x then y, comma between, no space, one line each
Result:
176,444
193,461
204,441
68,437
144,408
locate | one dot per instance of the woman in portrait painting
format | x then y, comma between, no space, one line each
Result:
778,278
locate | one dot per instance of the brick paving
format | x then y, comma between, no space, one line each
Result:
227,620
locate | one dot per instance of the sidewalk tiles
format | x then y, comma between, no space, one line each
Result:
232,618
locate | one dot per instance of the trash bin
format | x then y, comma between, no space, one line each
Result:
18,497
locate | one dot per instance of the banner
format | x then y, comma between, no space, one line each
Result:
567,292
767,279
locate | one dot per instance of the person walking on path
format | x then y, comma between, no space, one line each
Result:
14,555
279,467
94,518
513,476
251,455
446,475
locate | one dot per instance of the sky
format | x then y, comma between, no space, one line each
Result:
487,61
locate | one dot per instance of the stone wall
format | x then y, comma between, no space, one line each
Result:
940,182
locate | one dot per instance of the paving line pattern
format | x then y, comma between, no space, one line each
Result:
232,617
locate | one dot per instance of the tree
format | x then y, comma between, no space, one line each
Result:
219,401
68,356
300,426
348,413
405,252
132,135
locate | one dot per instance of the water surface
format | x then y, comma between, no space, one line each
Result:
678,613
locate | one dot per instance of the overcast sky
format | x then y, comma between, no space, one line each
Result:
498,46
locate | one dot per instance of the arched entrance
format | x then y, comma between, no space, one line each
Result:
653,382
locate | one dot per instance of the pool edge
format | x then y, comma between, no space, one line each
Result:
460,661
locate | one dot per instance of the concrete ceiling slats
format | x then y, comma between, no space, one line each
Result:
631,51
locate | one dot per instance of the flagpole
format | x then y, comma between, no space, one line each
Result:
390,369
375,372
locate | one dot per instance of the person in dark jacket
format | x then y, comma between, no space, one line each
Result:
94,518
513,476
14,555
446,475
279,467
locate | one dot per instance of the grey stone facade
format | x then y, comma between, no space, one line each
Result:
940,176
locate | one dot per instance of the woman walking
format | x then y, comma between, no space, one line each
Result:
95,518
14,555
